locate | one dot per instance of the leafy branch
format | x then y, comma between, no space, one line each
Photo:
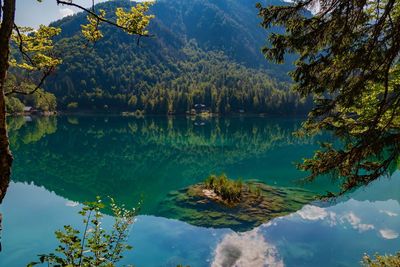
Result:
95,246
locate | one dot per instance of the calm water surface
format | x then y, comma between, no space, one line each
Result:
61,162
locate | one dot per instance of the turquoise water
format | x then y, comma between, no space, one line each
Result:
61,162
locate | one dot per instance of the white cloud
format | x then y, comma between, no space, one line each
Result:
64,12
388,234
314,7
246,249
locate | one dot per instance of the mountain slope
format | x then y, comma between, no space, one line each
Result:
203,51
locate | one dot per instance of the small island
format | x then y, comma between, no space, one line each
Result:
220,202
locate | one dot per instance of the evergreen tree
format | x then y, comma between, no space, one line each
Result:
349,61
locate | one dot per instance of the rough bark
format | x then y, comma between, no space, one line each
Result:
7,25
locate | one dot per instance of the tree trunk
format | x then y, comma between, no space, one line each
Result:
7,25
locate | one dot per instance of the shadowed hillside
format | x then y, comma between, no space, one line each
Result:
202,51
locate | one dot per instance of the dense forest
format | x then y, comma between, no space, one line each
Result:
201,190
187,61
41,100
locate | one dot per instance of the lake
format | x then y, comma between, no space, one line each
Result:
61,162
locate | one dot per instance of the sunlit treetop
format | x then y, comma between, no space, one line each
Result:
36,56
35,47
134,21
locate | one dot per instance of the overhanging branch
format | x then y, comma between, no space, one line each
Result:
91,12
21,45
17,90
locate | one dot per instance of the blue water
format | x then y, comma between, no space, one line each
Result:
62,162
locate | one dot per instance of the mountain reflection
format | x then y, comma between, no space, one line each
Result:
25,129
81,157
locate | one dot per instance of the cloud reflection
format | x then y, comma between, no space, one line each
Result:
355,222
312,213
388,234
389,213
71,204
246,249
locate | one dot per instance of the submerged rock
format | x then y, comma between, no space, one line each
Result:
259,203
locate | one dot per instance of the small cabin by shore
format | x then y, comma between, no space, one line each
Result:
29,110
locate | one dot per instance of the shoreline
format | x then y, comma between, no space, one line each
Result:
116,114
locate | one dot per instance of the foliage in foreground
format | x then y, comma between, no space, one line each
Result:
95,246
349,61
382,261
39,100
228,190
33,58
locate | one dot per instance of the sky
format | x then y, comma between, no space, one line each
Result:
32,13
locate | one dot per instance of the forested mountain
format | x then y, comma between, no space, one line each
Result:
202,51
